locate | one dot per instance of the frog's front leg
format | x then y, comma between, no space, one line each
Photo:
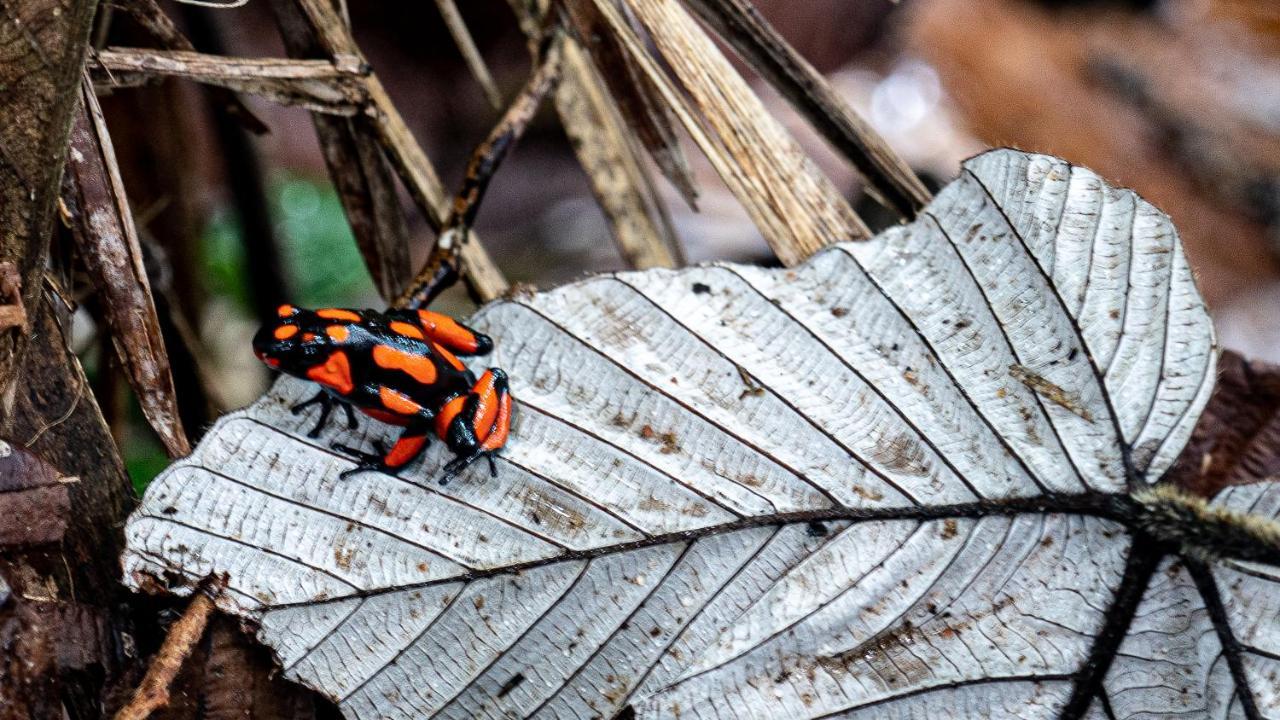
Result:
326,402
477,424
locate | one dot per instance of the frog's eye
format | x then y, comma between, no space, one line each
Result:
284,332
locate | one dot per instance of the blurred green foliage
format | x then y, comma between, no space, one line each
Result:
320,256
144,455
317,247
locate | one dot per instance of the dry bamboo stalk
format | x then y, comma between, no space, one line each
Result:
797,208
607,152
317,85
404,152
638,102
470,53
889,177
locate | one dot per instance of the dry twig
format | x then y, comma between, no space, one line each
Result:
317,85
470,53
148,14
441,267
153,693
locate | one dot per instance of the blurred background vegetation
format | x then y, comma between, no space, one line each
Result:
1179,99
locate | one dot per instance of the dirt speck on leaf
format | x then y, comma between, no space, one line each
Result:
1048,390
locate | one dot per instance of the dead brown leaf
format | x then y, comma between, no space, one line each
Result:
102,224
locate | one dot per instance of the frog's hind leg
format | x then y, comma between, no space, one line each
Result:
478,424
453,335
415,438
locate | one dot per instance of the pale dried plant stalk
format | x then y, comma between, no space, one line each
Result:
795,206
652,123
889,178
607,151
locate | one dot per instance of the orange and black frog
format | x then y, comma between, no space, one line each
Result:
397,366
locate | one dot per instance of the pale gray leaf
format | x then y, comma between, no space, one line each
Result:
904,480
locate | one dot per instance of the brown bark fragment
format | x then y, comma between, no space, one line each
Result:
12,313
43,46
67,604
41,640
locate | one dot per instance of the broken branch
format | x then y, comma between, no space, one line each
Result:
441,268
317,85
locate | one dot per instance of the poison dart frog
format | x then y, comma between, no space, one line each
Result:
397,366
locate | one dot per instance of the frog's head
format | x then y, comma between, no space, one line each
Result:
296,341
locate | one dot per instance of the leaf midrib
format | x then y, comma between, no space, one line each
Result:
1117,507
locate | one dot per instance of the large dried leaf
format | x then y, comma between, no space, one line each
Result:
912,477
